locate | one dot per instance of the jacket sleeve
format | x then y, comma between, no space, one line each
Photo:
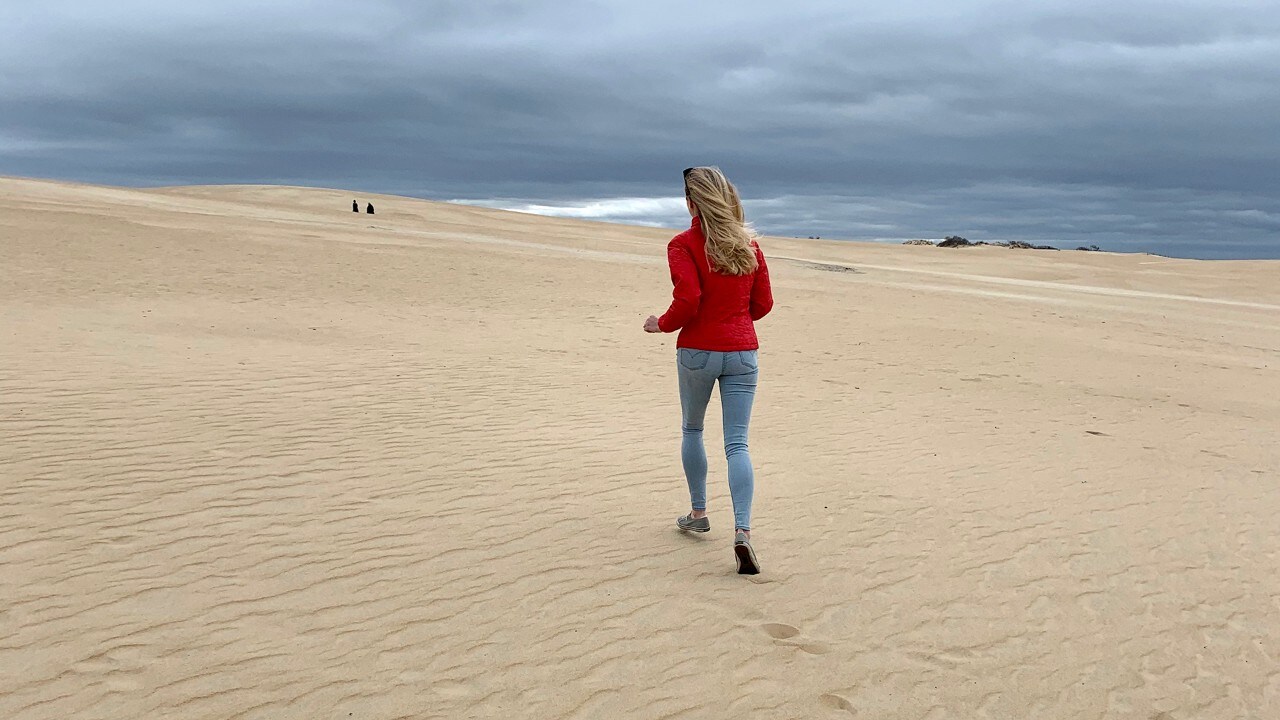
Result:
687,290
761,291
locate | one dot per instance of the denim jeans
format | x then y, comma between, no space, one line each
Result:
737,372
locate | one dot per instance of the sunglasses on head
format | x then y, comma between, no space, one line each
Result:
686,172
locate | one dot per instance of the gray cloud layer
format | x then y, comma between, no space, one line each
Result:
1135,125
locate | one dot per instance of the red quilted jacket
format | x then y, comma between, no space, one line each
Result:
713,311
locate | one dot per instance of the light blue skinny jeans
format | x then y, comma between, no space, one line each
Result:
737,372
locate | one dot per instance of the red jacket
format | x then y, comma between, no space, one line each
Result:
713,311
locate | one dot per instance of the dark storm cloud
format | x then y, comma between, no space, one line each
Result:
1136,125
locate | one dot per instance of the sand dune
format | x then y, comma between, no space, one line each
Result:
261,457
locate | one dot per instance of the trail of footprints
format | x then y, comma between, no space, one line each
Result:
791,636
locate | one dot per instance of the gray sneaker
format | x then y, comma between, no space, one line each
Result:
702,524
747,562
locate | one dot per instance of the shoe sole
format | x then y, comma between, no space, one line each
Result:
747,564
694,529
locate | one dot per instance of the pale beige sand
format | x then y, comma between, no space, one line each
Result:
265,458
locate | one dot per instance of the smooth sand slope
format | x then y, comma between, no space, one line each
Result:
261,457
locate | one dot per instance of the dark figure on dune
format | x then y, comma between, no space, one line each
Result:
370,210
355,206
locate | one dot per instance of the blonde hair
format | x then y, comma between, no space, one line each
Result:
729,238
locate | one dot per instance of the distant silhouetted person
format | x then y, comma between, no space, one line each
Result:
370,210
355,206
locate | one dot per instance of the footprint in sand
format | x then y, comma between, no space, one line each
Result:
837,702
780,631
789,634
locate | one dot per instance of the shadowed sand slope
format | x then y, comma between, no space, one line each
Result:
261,457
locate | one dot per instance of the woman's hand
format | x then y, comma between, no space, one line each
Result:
651,325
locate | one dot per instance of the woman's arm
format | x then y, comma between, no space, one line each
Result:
687,290
761,291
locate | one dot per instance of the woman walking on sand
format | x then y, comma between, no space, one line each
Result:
721,289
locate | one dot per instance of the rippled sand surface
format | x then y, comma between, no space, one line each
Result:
261,457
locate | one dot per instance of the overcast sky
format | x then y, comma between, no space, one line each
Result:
1150,126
